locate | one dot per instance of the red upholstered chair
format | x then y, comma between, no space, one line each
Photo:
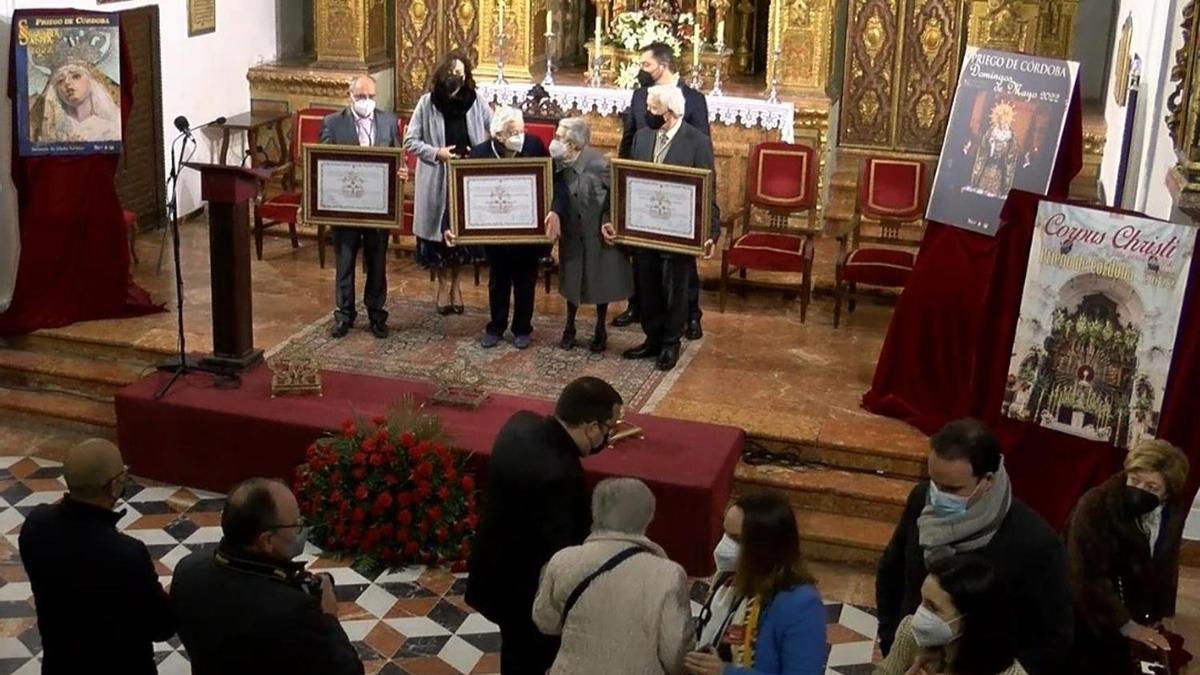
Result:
782,182
407,206
284,208
131,229
891,192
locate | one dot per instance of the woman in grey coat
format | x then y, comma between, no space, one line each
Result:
447,122
590,271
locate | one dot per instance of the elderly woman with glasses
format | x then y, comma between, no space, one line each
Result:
590,272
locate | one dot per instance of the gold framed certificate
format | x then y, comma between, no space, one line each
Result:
352,186
500,201
661,207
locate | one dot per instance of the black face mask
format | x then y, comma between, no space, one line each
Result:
452,83
645,79
655,122
1138,502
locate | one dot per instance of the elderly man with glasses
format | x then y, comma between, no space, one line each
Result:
100,607
248,607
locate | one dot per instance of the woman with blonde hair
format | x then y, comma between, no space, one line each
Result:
1123,542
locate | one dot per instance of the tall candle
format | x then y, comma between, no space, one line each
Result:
695,50
778,24
597,34
549,23
721,32
500,20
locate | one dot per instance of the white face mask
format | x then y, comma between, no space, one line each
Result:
558,149
515,142
930,630
364,107
726,554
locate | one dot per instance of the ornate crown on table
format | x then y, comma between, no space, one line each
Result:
459,383
79,46
295,377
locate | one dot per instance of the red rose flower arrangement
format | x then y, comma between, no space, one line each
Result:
389,491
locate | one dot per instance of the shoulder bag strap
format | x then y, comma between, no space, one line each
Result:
608,565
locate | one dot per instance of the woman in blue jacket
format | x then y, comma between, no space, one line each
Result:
775,624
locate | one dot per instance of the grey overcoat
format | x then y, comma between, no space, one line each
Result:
426,134
590,272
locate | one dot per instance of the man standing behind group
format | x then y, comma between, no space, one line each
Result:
361,124
536,505
656,63
662,278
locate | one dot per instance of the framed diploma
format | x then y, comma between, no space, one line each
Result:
500,201
352,186
661,207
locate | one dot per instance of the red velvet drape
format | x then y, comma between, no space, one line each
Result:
74,262
947,352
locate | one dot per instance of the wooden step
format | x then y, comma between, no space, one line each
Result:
889,460
59,409
829,490
21,369
843,539
51,342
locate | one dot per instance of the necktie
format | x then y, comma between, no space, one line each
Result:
366,136
660,147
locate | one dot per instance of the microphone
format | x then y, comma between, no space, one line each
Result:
181,123
184,127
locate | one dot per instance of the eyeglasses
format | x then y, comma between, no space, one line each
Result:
300,522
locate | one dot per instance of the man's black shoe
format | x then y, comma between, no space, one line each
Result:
646,350
626,318
340,328
694,331
668,357
379,329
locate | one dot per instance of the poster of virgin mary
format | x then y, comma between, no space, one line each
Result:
68,84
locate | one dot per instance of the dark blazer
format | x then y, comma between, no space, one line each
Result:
536,504
1114,578
339,129
688,148
533,148
237,621
1030,563
695,113
99,604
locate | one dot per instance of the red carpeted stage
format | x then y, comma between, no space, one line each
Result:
209,438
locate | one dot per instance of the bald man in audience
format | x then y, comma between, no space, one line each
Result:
99,602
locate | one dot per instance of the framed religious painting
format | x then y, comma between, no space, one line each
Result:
661,207
352,186
500,201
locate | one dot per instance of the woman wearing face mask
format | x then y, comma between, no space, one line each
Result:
960,627
589,271
767,617
446,123
1123,545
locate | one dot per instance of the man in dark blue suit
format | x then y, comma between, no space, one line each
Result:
656,62
514,268
361,124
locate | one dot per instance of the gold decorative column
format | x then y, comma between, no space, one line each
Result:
806,29
1042,27
523,39
350,33
425,31
1183,115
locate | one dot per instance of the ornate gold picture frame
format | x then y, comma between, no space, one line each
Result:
678,192
202,17
1122,63
500,201
368,191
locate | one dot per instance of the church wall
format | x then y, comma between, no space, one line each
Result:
1151,152
10,242
203,76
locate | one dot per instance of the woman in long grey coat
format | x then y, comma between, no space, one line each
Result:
590,271
448,121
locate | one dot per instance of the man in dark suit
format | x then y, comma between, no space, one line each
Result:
536,505
967,506
656,63
361,124
663,277
247,607
100,607
513,269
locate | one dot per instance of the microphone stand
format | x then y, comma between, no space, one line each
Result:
181,365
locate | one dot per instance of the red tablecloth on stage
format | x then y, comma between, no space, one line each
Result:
948,348
209,438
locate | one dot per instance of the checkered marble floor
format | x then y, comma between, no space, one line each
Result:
412,620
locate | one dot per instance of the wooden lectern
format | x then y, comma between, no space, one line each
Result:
228,189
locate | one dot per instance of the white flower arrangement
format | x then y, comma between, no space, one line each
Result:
627,75
635,30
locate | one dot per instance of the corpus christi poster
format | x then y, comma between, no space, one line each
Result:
1098,320
68,70
1004,130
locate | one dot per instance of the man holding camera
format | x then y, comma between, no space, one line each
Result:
247,607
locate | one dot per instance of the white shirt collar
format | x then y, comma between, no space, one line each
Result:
673,130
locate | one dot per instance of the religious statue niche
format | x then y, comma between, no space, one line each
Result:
1082,379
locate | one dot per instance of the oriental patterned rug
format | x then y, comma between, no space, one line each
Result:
428,347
